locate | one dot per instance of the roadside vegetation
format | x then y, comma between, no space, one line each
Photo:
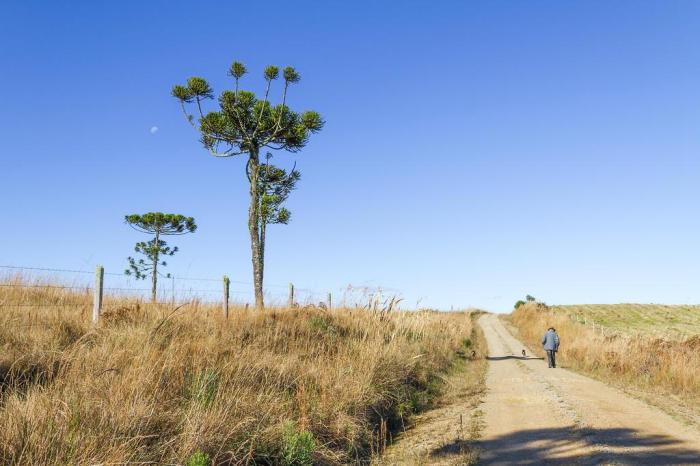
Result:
179,384
447,434
648,347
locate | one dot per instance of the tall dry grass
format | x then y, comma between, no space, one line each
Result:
153,386
671,365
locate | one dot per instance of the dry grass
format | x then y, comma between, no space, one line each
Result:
149,386
446,434
637,358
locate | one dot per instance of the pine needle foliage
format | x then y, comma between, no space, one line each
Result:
274,186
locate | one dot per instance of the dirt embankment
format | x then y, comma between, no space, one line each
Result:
445,436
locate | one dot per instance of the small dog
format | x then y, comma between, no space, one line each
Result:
524,354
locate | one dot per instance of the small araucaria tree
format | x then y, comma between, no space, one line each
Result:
245,125
157,224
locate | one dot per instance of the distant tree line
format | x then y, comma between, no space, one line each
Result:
528,299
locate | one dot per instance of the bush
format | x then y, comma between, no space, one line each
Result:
201,387
199,459
298,446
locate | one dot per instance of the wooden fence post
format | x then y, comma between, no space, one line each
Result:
330,302
290,302
97,299
226,286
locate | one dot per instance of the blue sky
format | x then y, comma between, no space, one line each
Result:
473,152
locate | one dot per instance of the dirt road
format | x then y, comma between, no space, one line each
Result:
537,415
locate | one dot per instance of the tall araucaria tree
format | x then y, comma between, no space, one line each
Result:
244,125
157,224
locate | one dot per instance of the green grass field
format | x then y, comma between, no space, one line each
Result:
649,319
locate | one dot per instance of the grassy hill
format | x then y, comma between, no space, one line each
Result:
655,320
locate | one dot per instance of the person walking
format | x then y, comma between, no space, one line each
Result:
550,343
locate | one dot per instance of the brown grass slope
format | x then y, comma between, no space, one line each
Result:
646,357
150,386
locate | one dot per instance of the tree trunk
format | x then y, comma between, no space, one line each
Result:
262,243
154,277
254,227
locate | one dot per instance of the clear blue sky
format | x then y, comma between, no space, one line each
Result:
474,151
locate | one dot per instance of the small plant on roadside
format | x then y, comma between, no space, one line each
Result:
157,224
299,446
519,303
201,387
198,459
323,324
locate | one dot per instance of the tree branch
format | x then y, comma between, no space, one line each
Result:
267,92
275,148
139,229
228,153
276,129
199,106
188,117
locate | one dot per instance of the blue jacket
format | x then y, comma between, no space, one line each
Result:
550,341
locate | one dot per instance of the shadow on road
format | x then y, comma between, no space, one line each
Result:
564,447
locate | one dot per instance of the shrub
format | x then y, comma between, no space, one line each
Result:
299,446
199,459
201,387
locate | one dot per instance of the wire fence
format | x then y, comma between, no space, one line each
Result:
60,288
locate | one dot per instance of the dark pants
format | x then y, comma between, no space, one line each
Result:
552,358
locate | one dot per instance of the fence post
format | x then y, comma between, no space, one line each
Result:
330,302
97,299
226,285
290,302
